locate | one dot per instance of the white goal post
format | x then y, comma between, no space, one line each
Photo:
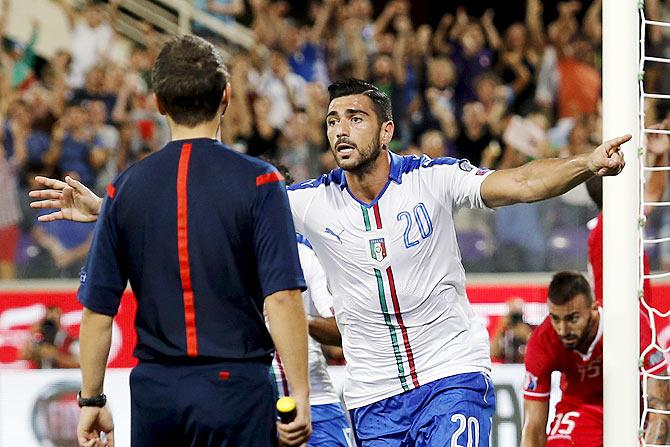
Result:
621,202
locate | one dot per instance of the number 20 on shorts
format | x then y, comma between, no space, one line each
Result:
471,424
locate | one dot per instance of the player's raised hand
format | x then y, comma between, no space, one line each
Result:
297,432
75,201
93,421
607,159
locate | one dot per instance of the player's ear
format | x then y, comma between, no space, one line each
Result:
159,105
225,99
386,133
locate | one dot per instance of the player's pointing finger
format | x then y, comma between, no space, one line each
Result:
612,145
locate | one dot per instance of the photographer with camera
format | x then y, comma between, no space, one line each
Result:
50,346
508,344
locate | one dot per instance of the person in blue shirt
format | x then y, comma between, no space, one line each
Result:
205,238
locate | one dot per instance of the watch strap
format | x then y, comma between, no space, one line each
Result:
96,401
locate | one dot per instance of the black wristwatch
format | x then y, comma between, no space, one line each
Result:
96,401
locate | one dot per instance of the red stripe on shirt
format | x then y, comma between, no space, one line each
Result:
111,191
182,248
284,382
403,329
378,217
269,178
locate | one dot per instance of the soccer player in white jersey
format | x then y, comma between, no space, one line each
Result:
329,424
382,226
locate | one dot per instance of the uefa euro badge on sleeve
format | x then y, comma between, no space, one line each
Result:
378,249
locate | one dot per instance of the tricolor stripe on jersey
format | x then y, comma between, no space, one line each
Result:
397,313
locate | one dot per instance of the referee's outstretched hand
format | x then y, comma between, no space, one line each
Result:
297,432
74,200
607,159
92,422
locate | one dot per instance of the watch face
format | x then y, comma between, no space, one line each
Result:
56,414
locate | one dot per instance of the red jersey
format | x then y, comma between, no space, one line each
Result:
581,374
596,261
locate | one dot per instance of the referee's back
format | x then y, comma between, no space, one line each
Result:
194,228
205,237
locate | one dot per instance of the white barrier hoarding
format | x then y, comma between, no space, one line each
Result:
38,407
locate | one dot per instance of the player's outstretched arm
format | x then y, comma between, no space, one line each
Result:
542,179
534,432
658,425
288,327
75,201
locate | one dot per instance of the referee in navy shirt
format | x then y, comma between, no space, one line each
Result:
205,237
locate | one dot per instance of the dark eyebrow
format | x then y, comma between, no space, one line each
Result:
355,111
348,112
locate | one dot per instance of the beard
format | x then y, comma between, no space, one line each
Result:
582,337
367,159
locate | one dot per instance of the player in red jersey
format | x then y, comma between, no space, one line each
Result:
569,340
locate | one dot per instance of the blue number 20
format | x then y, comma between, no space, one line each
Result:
422,220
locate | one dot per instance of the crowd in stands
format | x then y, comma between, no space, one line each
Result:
466,88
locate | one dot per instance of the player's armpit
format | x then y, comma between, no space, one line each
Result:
658,425
534,432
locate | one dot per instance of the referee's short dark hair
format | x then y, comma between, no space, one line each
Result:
351,86
566,285
189,77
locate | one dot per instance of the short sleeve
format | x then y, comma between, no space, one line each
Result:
297,201
274,238
458,182
537,381
317,284
102,280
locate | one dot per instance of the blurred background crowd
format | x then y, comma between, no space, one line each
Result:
499,88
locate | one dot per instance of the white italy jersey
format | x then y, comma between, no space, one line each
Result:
395,272
317,302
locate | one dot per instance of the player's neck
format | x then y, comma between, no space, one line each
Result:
204,130
593,332
367,185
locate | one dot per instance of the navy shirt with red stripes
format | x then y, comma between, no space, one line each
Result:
203,234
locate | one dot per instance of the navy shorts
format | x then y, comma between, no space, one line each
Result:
223,404
456,410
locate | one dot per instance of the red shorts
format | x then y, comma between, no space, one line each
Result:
580,426
9,242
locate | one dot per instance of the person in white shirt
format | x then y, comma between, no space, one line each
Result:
91,36
382,226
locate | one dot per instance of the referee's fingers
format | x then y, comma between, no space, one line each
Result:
56,215
110,438
45,194
296,439
50,182
49,203
93,442
293,434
